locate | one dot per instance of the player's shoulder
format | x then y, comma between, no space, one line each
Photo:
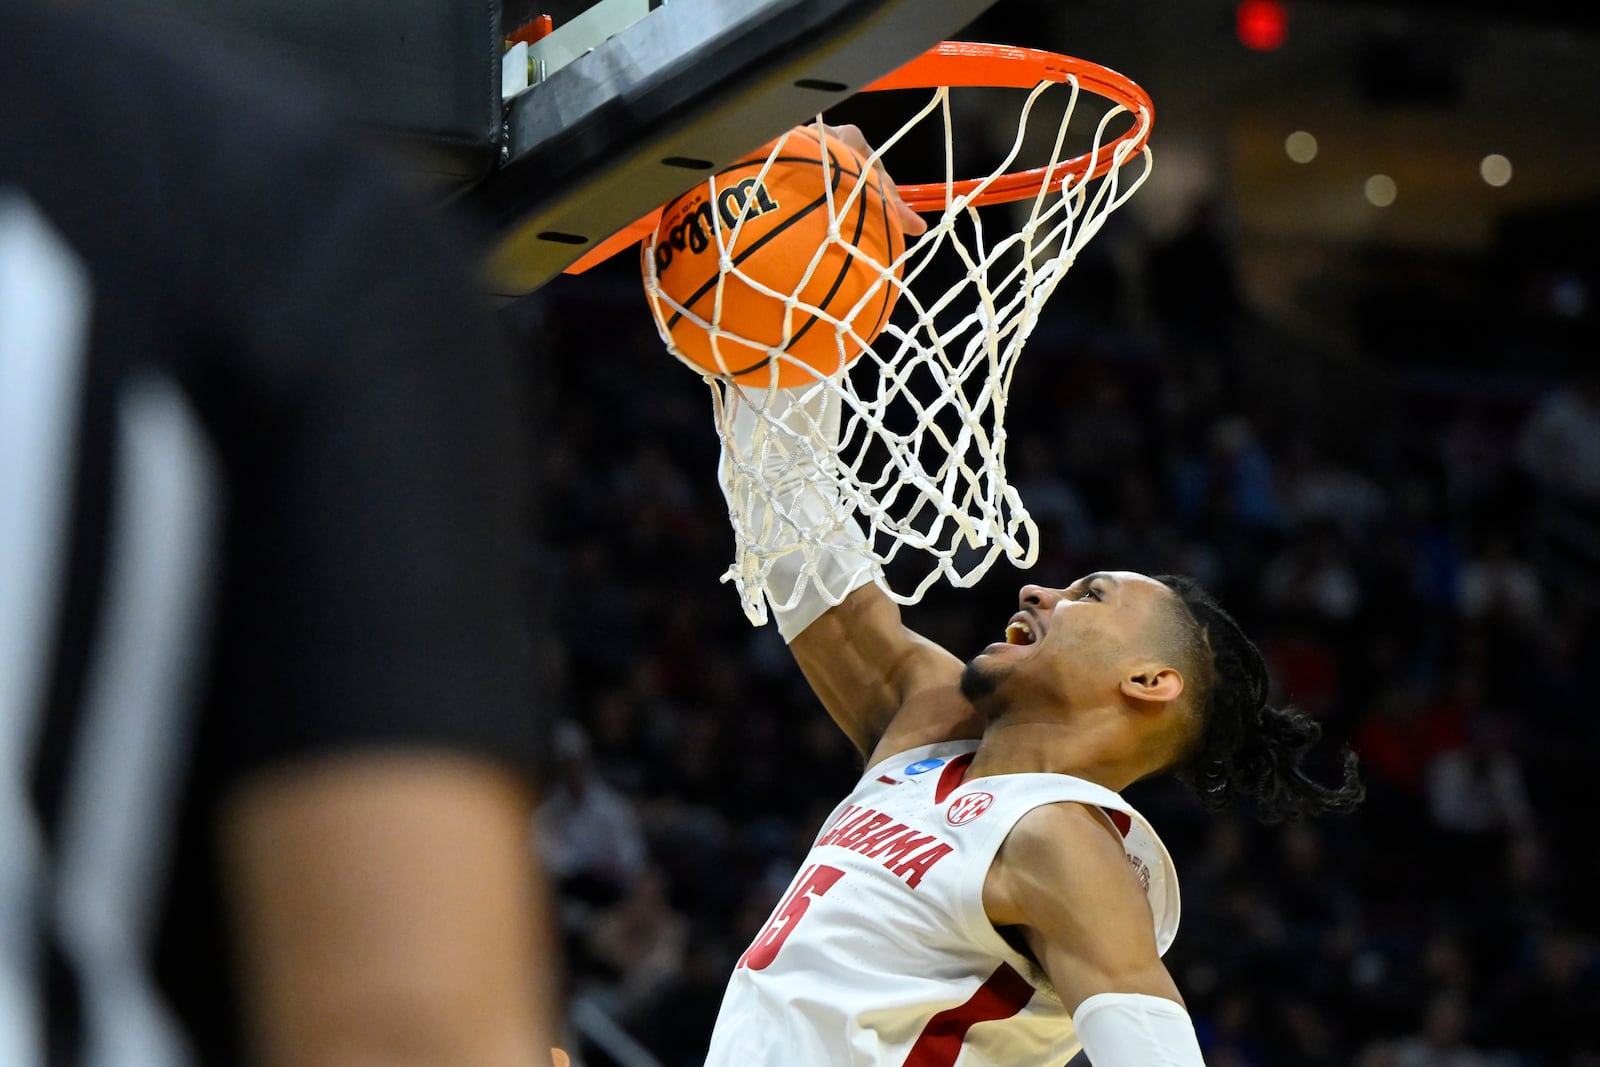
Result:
1079,823
1059,853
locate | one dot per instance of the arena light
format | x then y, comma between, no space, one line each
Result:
1380,190
1300,146
1261,25
1495,169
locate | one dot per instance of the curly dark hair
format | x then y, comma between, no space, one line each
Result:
1247,748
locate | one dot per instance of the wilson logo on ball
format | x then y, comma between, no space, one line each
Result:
735,202
745,199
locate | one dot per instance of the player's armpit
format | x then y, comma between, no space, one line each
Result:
1063,880
386,910
866,666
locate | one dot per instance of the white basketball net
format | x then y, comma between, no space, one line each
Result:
909,441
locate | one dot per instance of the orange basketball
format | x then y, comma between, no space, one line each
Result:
773,226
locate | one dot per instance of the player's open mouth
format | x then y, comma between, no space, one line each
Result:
1020,631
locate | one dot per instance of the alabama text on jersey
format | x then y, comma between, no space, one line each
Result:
880,953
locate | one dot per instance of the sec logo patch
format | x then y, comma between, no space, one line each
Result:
967,807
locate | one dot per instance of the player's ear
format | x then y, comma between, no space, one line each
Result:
1152,682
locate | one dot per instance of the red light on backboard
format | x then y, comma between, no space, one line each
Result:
1261,25
535,29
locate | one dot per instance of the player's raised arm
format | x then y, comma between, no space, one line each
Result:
888,687
859,657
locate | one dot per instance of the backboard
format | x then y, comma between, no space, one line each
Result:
686,88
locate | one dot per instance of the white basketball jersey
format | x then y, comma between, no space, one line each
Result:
880,953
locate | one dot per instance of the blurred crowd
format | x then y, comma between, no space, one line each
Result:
1418,559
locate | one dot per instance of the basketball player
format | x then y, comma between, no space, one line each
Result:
266,735
985,896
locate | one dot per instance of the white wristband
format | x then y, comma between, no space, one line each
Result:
838,569
1136,1030
790,421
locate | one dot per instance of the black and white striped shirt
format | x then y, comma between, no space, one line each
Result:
261,498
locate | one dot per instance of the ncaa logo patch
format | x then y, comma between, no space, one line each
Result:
967,807
923,766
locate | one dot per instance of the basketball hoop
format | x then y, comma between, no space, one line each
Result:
905,448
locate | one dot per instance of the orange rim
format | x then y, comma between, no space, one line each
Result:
969,64
963,63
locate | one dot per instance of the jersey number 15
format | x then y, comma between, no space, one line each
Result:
813,882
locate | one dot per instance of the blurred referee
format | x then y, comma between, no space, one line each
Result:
265,736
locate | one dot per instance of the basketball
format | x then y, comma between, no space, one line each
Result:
774,226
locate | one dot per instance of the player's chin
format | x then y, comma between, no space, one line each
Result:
979,678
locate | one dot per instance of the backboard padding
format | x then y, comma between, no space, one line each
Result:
586,151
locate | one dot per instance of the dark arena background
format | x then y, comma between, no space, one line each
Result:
1365,412
1338,359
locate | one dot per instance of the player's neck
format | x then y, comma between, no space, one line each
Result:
1094,748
